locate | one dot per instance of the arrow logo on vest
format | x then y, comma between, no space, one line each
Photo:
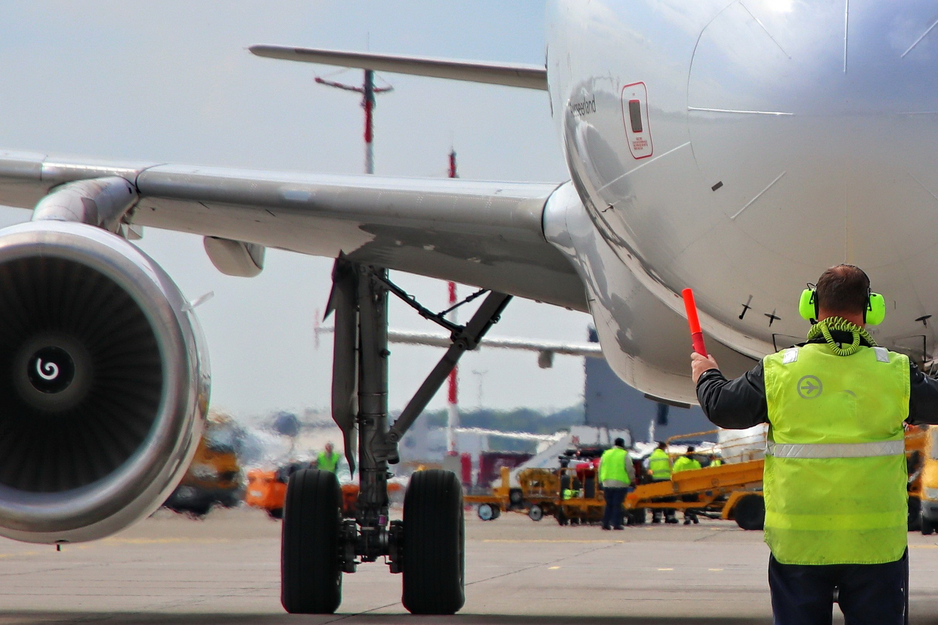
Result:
809,387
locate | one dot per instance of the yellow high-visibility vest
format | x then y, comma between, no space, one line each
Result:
612,466
659,465
835,471
685,464
328,462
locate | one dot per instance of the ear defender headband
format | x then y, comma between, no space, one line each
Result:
873,313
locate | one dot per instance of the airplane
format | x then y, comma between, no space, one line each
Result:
735,147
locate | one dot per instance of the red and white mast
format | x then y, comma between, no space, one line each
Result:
452,406
368,91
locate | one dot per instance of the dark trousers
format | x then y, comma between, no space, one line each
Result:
612,515
868,594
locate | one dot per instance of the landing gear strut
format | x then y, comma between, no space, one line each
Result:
428,545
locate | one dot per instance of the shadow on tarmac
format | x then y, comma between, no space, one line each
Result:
141,618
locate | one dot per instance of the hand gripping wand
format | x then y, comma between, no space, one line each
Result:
695,334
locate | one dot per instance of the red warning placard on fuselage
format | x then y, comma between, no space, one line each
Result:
635,120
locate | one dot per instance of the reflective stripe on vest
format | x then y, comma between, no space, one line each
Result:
835,450
835,471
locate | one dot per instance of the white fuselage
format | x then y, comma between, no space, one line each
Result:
740,148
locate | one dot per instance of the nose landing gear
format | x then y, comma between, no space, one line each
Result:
428,546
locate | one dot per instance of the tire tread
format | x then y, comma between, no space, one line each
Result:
311,579
434,565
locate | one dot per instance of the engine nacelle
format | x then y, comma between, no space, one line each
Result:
103,383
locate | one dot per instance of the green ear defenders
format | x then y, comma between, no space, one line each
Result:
873,313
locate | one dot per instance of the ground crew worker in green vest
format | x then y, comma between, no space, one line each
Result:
835,471
659,469
328,459
688,462
616,474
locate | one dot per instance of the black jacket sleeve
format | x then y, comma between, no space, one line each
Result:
734,404
923,398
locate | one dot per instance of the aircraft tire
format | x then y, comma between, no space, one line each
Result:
434,544
750,512
310,571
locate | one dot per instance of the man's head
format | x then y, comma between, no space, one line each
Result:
329,447
662,445
619,442
843,291
691,449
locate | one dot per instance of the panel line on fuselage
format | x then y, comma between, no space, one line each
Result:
921,184
759,22
646,163
740,112
919,40
760,194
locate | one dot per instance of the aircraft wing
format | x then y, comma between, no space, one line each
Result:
487,234
509,75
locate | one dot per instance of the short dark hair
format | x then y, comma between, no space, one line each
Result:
662,445
691,449
843,289
619,442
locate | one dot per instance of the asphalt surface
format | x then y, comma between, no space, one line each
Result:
225,570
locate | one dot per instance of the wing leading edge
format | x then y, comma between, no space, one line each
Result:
487,234
514,75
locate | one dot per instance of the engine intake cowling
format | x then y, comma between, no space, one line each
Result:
103,383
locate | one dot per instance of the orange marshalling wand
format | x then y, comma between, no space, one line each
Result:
695,334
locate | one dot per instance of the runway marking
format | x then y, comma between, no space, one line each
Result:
23,553
715,570
665,569
552,568
562,540
923,546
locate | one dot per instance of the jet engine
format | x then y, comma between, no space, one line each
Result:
103,383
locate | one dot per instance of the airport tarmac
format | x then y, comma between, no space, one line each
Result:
225,570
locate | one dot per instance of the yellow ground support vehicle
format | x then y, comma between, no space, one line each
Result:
923,481
730,491
538,495
581,498
214,477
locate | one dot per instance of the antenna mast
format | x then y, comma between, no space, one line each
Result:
368,91
452,403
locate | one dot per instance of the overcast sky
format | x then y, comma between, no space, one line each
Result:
171,81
